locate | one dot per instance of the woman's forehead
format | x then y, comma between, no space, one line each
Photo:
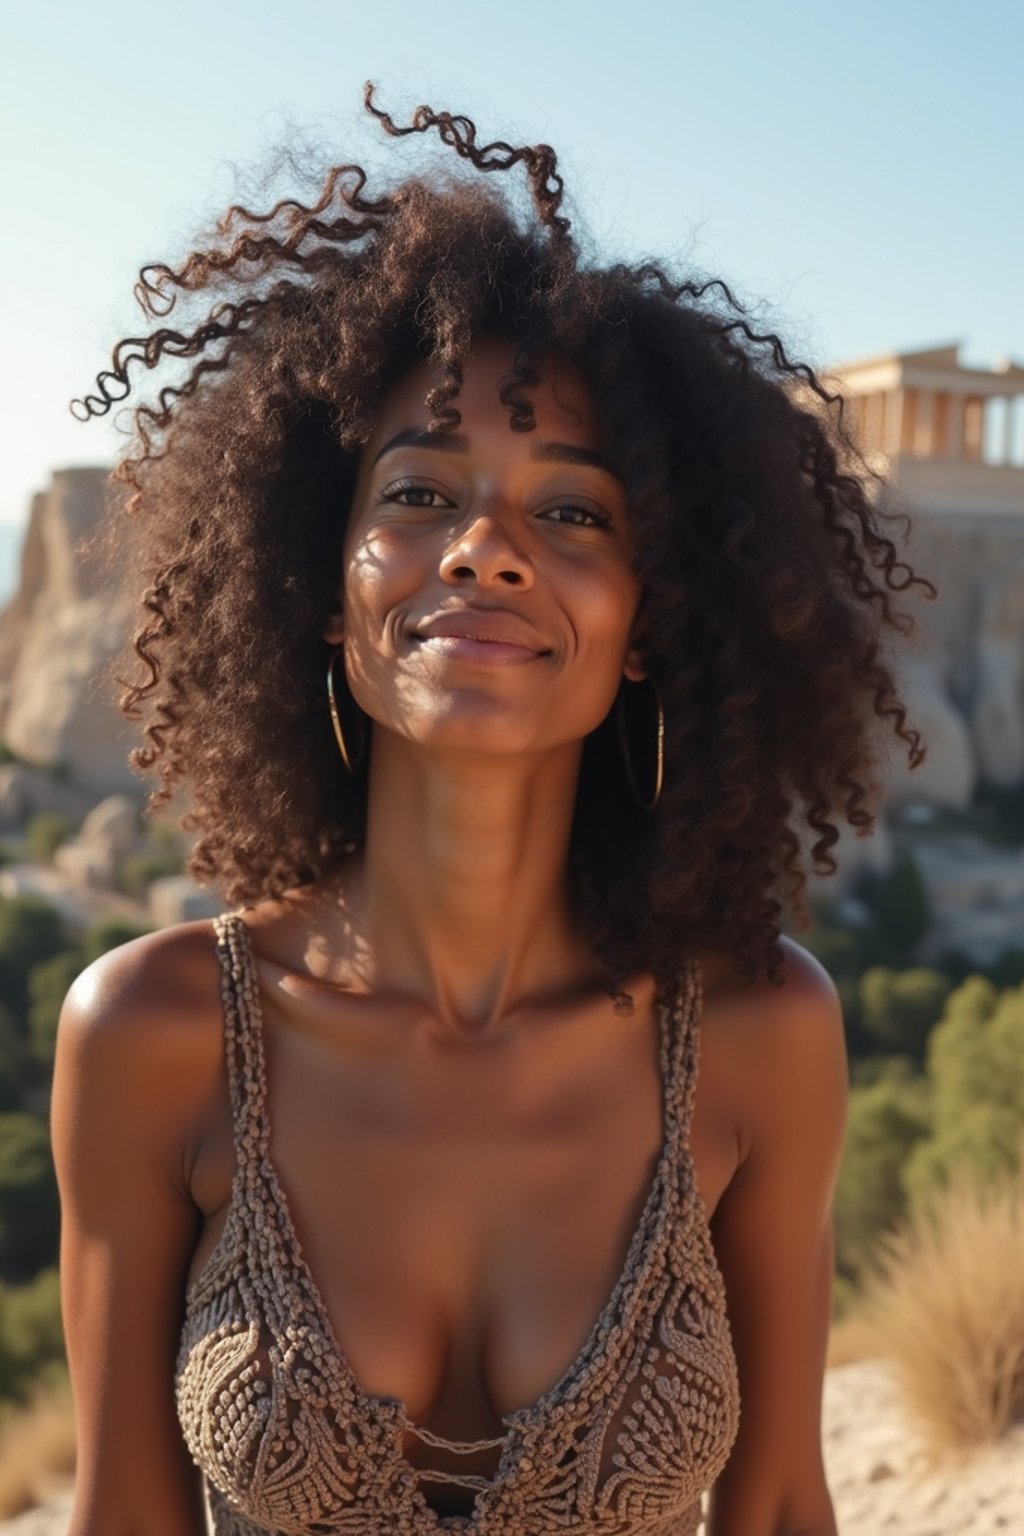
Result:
560,398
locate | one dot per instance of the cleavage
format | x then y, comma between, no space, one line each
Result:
466,1215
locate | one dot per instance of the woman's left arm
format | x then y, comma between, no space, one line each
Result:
772,1232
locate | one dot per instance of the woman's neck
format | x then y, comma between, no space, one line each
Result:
461,895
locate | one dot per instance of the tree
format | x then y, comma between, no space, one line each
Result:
975,1065
30,932
137,871
985,1145
976,1053
884,1121
48,986
109,933
1008,971
900,1008
31,1334
13,1051
29,1205
902,914
44,835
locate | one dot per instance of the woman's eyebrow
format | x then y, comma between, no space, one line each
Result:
568,453
447,442
456,442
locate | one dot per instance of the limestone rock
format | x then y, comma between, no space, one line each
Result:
110,830
56,637
180,899
948,775
85,866
26,791
113,823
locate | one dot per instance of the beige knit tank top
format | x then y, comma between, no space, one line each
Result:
626,1441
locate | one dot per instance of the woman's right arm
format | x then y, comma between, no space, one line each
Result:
134,1073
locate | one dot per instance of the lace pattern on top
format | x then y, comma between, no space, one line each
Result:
625,1442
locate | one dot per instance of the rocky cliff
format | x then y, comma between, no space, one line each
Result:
964,668
57,634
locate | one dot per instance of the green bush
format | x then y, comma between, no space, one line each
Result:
900,1008
48,986
49,982
31,1333
883,1069
109,933
30,932
901,912
44,835
985,1144
1008,970
884,1121
136,872
29,1207
13,1058
1006,807
975,1065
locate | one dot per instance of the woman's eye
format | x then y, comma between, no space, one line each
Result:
408,493
577,516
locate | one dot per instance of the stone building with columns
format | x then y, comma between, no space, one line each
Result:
951,435
949,438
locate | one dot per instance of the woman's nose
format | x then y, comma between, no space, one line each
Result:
483,550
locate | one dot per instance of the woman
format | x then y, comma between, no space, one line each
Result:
504,616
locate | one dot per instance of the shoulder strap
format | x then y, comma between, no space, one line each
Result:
686,1002
243,1038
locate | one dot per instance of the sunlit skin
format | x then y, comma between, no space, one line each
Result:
476,744
464,1127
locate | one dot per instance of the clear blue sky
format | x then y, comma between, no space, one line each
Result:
855,167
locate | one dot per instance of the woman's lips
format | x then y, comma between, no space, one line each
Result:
485,653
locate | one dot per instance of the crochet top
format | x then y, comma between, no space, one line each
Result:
624,1443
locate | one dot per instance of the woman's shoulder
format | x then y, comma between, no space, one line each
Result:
768,1038
157,976
145,1019
804,987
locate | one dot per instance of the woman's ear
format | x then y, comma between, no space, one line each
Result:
633,667
333,629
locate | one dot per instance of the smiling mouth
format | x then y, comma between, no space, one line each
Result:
472,650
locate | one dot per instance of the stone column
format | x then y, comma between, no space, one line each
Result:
909,420
940,422
924,437
874,417
892,421
974,407
955,427
1008,425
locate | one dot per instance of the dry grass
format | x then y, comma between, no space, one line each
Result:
37,1448
947,1310
853,1338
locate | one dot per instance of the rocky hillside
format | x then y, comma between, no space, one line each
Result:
57,634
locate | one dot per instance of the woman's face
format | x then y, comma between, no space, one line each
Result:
488,601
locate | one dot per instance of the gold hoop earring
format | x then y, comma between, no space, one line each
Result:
659,754
336,719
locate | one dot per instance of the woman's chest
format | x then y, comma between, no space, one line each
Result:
472,1257
466,1218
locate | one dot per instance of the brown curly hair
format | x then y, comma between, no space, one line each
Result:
767,578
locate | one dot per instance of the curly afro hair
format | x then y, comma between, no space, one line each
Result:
767,576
